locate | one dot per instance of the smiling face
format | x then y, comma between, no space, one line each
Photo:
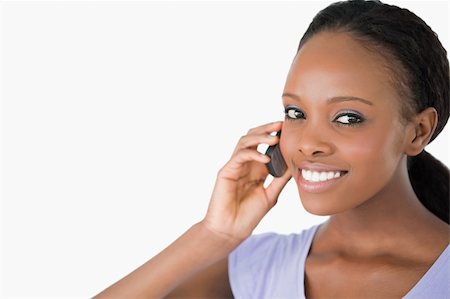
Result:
343,128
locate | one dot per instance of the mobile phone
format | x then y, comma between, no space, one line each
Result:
277,167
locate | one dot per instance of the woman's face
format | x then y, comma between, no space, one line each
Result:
342,138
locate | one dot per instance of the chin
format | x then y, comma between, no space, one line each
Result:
319,207
319,210
320,213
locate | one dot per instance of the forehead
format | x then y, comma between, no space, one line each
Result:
334,64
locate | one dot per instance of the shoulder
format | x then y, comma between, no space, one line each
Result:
268,262
436,281
270,246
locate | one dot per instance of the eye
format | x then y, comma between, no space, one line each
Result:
293,113
349,119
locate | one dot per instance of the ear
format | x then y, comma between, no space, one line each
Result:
420,130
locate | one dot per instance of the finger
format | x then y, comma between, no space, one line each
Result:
252,141
267,128
275,187
232,168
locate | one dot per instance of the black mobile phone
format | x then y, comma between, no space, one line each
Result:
277,167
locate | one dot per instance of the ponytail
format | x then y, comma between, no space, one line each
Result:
430,179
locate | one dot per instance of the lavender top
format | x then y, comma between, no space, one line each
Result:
271,265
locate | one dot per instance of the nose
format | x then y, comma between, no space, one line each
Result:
314,142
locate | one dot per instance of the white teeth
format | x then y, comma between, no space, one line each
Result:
330,175
306,174
315,176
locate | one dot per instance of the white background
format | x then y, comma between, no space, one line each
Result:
116,118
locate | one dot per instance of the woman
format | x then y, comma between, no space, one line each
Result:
366,92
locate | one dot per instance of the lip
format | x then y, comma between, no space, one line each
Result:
321,186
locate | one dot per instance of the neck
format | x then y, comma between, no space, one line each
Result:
392,218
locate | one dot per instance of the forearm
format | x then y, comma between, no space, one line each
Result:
196,249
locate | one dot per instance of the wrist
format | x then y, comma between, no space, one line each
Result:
224,240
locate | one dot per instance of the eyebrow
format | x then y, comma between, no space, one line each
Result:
331,100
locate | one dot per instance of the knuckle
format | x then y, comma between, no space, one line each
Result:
220,171
244,141
224,170
240,155
244,152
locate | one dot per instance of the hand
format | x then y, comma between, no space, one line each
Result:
239,200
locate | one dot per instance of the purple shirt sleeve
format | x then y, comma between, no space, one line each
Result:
436,281
270,265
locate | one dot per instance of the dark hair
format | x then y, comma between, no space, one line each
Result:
419,69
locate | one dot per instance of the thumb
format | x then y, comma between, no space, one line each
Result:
275,187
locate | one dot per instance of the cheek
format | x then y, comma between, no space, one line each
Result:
377,146
365,150
373,160
288,146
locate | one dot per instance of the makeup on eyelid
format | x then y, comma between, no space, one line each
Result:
293,113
